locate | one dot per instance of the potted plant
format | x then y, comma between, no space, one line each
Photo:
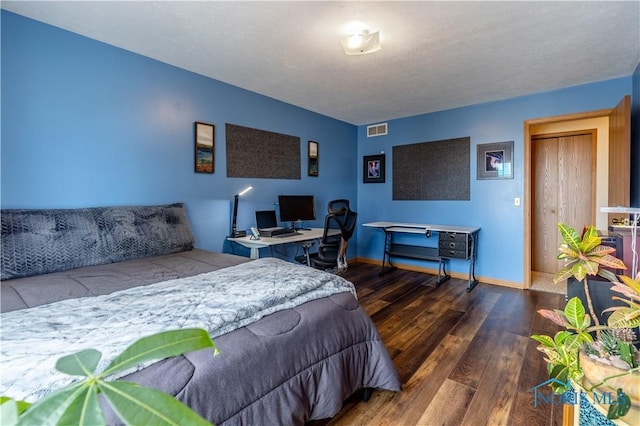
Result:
78,402
597,357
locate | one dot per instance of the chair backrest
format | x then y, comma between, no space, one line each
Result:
342,219
336,206
333,247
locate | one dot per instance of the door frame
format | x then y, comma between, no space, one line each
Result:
593,134
528,124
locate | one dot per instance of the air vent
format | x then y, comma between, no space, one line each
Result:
377,130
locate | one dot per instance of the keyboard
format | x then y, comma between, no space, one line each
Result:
289,233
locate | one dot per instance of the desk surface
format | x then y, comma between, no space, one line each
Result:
306,239
305,235
420,227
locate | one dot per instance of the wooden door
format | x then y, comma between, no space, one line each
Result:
563,191
619,165
620,156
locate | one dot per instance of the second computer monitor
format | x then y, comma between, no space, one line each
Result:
296,208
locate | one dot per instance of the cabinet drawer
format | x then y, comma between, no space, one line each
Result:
455,254
454,245
453,236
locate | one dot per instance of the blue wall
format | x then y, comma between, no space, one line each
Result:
491,207
88,124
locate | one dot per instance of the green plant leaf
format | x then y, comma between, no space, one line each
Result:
556,316
601,251
560,337
160,346
607,275
620,407
51,408
21,405
544,340
586,322
81,363
139,405
610,262
569,236
559,372
574,312
9,412
626,353
562,274
578,271
584,337
85,410
590,239
573,343
624,317
567,252
634,285
626,291
590,267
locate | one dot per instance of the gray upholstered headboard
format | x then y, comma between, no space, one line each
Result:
37,242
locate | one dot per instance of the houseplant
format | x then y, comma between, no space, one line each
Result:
569,353
78,403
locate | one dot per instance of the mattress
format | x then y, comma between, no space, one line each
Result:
288,366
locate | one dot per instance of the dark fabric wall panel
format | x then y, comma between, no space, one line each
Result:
436,170
254,153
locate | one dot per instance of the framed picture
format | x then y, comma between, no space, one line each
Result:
313,159
495,160
204,148
373,168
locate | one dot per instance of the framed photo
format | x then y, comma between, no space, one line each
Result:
204,148
312,162
495,160
373,168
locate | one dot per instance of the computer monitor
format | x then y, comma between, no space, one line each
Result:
266,219
296,208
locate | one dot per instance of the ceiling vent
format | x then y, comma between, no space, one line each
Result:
377,130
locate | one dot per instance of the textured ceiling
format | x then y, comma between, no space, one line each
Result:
435,55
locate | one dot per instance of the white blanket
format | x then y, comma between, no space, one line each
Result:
33,339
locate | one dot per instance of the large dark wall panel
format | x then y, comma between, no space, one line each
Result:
436,170
254,153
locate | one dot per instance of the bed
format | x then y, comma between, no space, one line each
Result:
294,342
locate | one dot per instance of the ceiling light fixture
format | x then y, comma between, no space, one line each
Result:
361,43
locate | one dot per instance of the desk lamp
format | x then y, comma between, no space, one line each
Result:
234,231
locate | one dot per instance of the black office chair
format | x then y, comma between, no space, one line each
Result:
338,206
332,251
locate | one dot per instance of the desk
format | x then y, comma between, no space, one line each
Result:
306,239
454,242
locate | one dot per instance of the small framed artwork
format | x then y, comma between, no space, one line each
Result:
313,159
495,160
204,148
373,168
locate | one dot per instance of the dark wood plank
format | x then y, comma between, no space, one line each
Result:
411,358
464,358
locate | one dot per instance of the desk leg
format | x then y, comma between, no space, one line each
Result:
442,272
472,264
306,246
255,253
386,258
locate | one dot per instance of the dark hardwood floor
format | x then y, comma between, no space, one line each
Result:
464,358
